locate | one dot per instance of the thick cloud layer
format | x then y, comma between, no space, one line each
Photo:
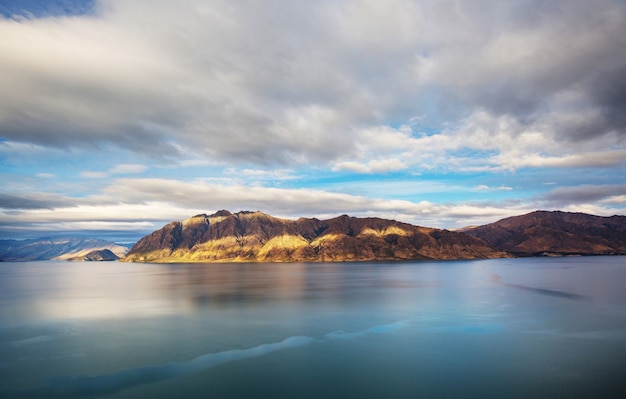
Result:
436,112
291,82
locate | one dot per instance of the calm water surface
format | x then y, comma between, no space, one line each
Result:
507,328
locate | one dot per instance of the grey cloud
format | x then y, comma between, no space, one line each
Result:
518,56
213,89
138,206
293,203
609,90
562,196
292,82
32,201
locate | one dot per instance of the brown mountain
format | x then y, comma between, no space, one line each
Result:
257,237
543,233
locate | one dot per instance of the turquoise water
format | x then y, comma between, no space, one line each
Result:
507,328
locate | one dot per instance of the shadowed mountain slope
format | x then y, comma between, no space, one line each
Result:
258,237
543,233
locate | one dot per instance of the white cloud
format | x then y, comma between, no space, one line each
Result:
126,168
615,199
517,160
594,209
160,201
120,169
374,166
260,175
147,204
88,174
484,187
291,203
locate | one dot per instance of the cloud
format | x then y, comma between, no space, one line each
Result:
88,174
124,169
588,193
32,201
603,200
483,187
291,83
147,204
143,205
374,166
615,199
120,169
240,101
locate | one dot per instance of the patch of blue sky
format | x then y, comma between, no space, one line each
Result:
540,179
426,187
65,164
419,125
46,8
475,156
70,172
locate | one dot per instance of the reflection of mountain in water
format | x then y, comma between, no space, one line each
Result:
233,285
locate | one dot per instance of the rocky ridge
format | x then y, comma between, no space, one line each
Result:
258,237
543,233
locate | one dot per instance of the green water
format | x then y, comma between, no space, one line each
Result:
508,328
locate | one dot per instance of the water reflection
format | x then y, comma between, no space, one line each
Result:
210,285
87,291
542,291
353,330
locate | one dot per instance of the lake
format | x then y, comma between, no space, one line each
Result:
501,328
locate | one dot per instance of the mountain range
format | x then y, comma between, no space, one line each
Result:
556,233
56,248
258,237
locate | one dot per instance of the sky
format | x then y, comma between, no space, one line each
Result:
119,116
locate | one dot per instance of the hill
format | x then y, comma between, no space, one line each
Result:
97,255
258,237
54,248
543,233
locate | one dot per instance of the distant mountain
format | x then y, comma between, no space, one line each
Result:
97,255
258,237
55,248
543,233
